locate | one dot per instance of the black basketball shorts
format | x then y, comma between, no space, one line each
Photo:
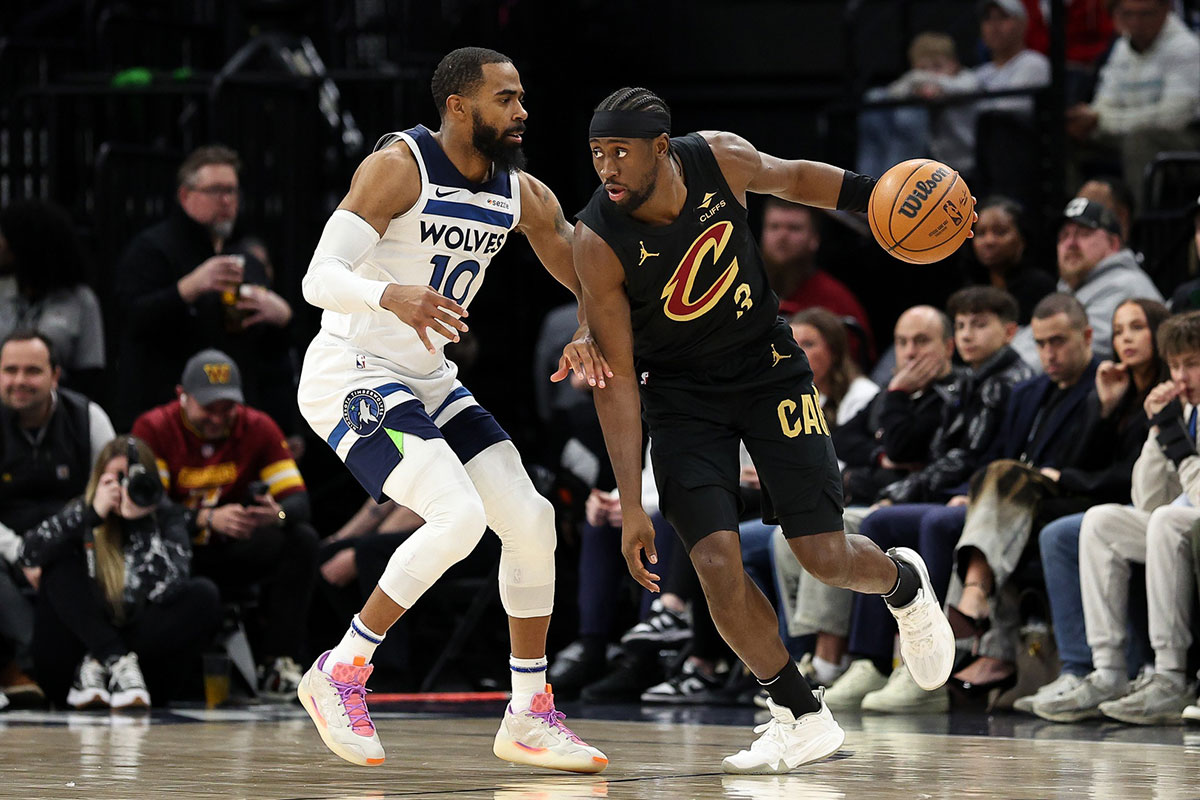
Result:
694,435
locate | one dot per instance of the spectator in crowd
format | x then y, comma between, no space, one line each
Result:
881,444
179,290
911,511
1120,430
790,241
43,288
887,136
116,590
844,390
248,508
1095,268
1089,35
999,247
1149,90
1045,434
1012,65
1156,532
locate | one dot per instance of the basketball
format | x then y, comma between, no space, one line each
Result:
920,211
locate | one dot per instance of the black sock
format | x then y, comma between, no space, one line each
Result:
907,584
789,689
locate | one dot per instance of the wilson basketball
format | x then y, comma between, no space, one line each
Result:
920,211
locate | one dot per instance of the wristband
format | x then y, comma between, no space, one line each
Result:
856,192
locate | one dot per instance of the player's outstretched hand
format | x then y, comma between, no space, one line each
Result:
583,357
637,536
422,308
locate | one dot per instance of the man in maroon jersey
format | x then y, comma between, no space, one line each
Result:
249,509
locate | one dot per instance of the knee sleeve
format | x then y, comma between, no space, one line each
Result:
431,481
524,521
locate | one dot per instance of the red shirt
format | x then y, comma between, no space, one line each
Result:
202,474
1089,30
826,291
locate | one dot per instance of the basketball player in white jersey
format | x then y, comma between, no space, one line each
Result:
395,270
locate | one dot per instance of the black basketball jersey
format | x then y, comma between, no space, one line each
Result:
698,292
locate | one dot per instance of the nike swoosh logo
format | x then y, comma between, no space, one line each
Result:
447,193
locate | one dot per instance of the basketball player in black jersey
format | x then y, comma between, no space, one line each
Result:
677,298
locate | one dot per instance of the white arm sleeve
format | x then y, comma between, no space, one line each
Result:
330,282
102,431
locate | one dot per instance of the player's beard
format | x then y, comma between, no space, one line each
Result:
490,141
634,198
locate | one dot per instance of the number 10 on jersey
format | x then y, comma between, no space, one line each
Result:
453,285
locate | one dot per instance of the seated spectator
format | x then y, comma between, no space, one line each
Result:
179,277
1115,195
1118,435
1095,268
1187,296
1089,35
1012,65
42,288
1155,531
1021,487
999,248
49,437
911,512
790,241
115,589
1149,91
887,136
881,444
248,508
844,390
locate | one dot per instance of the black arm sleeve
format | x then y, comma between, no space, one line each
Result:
855,192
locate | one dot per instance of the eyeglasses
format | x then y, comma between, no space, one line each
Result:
216,191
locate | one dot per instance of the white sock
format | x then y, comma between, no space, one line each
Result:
827,671
528,678
359,642
1111,677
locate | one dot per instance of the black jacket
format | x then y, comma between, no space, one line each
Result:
160,332
1103,464
894,424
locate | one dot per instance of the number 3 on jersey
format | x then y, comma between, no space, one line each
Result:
453,285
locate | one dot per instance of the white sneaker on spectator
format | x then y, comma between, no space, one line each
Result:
3,701
126,685
537,736
859,680
664,627
90,688
1191,713
1157,700
901,694
1064,683
926,640
788,742
281,680
337,704
1082,702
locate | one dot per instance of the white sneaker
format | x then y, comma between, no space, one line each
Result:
90,689
1191,713
281,680
1059,686
901,694
1156,701
787,742
926,640
537,736
3,701
859,680
126,685
1082,702
337,704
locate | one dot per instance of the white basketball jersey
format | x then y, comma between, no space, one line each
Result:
446,240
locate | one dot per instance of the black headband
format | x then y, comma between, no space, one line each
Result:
629,124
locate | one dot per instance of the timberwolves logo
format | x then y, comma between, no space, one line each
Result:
362,410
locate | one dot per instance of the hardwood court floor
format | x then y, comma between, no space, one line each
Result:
274,754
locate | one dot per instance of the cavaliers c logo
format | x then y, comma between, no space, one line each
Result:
679,304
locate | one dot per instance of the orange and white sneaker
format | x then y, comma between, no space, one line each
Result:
337,703
538,737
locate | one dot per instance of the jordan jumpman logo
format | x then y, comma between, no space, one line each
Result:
776,357
645,255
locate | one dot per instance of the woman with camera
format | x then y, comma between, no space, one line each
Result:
115,591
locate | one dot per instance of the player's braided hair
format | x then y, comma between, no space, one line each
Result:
633,99
461,72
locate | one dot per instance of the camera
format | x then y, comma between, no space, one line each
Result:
143,486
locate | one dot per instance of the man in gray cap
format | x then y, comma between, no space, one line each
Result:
1097,268
229,465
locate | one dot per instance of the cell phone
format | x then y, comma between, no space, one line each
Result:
258,489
